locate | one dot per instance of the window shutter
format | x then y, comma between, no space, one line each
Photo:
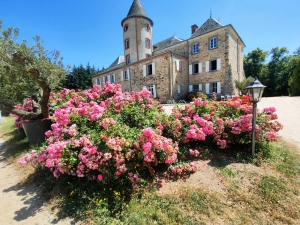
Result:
207,88
178,89
103,78
190,88
144,70
207,66
200,87
200,67
154,91
219,87
153,68
122,74
108,78
219,64
128,74
177,65
190,69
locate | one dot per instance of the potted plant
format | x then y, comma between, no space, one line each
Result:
28,71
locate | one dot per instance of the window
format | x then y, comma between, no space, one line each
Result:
106,78
152,89
112,79
213,43
195,87
127,43
148,55
195,68
98,81
126,77
148,69
195,48
147,43
125,27
213,87
127,59
213,65
147,27
178,65
126,90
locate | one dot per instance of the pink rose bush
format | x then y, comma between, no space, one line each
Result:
223,124
105,135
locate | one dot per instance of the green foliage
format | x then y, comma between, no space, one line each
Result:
16,83
294,81
277,73
241,85
254,64
196,94
80,78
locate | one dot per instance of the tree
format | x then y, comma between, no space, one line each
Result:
80,78
26,71
241,85
277,82
254,64
294,81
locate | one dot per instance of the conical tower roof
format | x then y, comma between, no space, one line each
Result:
137,10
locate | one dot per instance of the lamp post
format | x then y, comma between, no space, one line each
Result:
255,91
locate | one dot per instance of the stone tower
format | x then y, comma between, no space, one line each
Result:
137,34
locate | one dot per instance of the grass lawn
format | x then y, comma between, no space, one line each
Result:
263,190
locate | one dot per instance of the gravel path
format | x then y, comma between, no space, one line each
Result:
21,205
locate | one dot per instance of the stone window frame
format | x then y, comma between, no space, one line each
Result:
126,43
178,64
210,39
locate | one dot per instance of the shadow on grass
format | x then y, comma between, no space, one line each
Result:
14,146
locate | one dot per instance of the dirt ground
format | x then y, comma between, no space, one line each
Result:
23,204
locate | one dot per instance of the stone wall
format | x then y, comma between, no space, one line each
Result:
205,54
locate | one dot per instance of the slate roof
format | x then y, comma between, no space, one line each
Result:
166,43
210,25
136,9
119,60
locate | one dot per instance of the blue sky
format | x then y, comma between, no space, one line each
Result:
90,31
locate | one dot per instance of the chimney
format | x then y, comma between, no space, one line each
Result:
194,28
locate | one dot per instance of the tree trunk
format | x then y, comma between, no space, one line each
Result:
43,110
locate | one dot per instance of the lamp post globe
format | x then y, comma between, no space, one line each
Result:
255,91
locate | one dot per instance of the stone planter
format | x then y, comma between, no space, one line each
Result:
35,130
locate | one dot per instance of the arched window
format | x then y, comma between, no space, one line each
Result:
147,43
125,27
147,27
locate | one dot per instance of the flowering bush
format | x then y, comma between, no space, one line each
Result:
224,123
27,107
104,134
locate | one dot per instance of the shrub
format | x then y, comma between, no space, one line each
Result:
105,135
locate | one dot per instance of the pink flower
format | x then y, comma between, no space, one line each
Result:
100,177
